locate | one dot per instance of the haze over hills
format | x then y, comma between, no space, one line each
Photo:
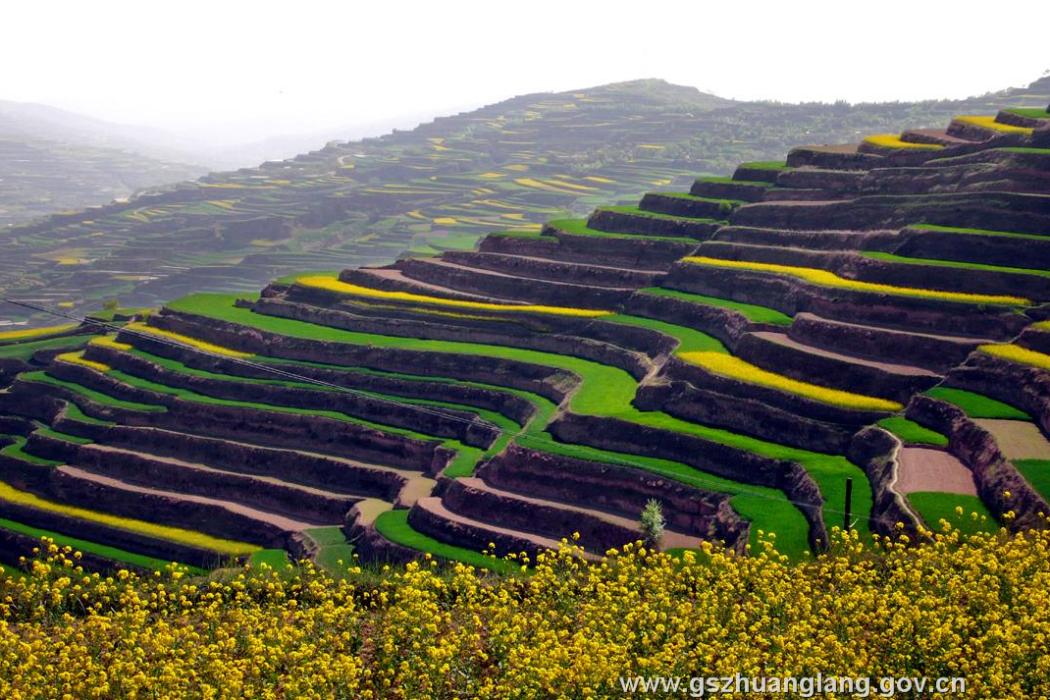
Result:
52,160
439,186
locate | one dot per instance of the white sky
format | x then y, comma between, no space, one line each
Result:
253,68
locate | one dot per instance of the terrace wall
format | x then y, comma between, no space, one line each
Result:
548,382
743,415
875,451
791,296
994,475
444,422
703,379
1022,386
275,428
596,535
289,465
620,489
605,353
715,458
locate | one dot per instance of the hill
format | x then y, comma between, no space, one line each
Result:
857,335
53,161
437,187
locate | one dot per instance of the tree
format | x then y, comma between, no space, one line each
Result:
652,523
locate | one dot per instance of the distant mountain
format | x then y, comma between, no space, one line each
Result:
513,164
52,160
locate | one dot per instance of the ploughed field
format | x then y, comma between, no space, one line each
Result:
874,312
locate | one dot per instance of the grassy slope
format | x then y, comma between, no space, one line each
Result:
394,526
977,405
934,506
1037,473
753,312
911,433
111,553
23,351
890,257
605,391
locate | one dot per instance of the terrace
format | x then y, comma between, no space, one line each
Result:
736,352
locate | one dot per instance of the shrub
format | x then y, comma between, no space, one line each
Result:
652,523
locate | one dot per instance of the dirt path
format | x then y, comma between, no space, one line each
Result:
924,469
892,368
247,477
1018,439
433,505
960,339
480,271
576,264
420,287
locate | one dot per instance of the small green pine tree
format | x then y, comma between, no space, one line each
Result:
652,523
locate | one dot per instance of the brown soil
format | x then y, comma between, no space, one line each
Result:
434,505
279,521
670,539
425,287
783,339
1017,439
924,469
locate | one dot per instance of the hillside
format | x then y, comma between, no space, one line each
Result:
53,161
437,187
871,318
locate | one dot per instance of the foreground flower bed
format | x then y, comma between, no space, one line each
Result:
976,607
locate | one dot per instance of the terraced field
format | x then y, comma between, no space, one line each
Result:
439,187
873,314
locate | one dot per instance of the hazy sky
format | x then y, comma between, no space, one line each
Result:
248,69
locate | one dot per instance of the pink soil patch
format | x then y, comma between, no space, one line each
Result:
1017,439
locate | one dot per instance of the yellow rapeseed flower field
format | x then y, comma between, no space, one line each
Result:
726,365
109,341
974,607
823,278
77,358
333,284
988,122
27,333
174,534
1016,353
894,141
186,340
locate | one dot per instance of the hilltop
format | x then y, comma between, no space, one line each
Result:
855,336
510,165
